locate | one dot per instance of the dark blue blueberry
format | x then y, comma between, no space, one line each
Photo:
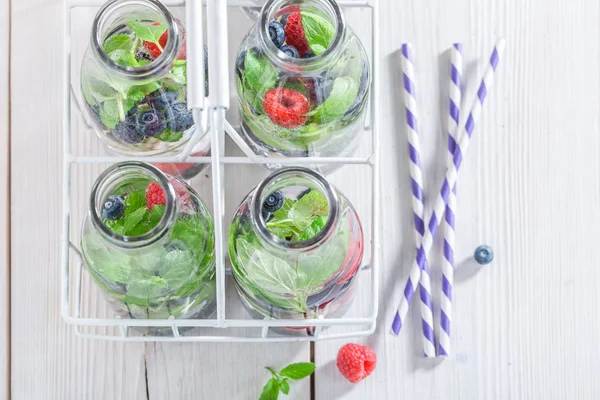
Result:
160,99
150,123
239,63
308,54
113,208
283,20
266,215
290,51
304,193
484,255
132,111
142,55
276,33
273,202
180,118
126,131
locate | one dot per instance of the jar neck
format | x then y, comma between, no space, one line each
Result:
114,15
296,177
120,176
328,8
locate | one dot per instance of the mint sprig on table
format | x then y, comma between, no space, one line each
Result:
279,382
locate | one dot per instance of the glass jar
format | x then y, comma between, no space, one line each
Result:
302,81
296,245
148,243
134,79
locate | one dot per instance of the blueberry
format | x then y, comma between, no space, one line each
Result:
308,54
180,118
126,131
273,202
132,111
142,55
239,63
150,123
266,215
290,51
276,33
323,87
160,99
484,255
113,208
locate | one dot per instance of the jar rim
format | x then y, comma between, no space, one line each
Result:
323,185
161,64
283,59
103,182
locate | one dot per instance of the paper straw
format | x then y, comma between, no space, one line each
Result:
449,182
416,176
455,96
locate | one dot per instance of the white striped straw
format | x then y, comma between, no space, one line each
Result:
455,96
449,182
416,176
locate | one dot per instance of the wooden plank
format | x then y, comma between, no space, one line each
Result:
524,327
49,361
4,204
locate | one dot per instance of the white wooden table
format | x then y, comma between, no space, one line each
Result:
524,327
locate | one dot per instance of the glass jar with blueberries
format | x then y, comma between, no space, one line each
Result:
296,246
134,80
148,244
302,81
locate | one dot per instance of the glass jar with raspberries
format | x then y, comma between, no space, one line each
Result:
302,81
134,80
296,246
148,243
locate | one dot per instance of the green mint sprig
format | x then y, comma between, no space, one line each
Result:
319,31
148,32
279,382
300,219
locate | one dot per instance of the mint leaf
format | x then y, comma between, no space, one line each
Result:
298,370
123,58
109,114
134,201
96,91
282,213
319,31
147,32
259,74
312,204
342,96
156,214
133,219
135,94
314,228
169,136
314,269
142,292
118,42
178,74
113,270
284,386
270,391
178,268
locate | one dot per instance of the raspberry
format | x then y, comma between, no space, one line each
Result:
155,195
286,107
356,362
154,51
294,33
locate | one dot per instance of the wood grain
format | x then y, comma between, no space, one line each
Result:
525,326
4,204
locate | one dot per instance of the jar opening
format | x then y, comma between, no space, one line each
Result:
126,38
321,31
295,208
119,207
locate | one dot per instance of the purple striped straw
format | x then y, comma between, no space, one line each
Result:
416,176
449,182
455,96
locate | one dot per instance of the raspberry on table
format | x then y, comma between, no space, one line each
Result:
286,107
294,33
356,362
155,195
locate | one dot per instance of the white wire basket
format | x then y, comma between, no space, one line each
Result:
82,304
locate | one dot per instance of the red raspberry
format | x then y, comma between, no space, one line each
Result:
286,107
294,33
155,195
154,51
356,362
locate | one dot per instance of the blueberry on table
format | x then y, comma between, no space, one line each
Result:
126,132
150,123
484,255
290,51
273,202
181,118
113,208
276,33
